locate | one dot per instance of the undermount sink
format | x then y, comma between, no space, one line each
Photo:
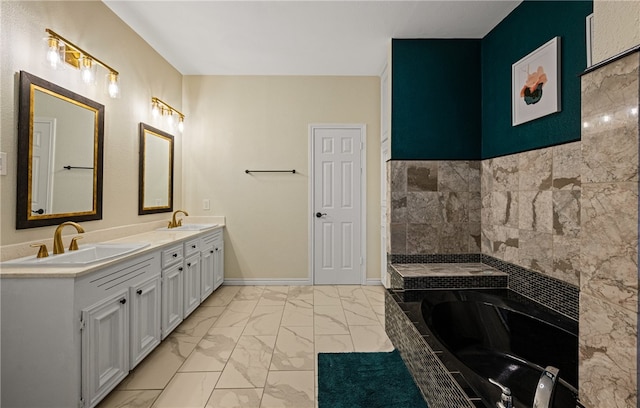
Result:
189,227
92,253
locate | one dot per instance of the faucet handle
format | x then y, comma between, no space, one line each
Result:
506,401
73,245
42,252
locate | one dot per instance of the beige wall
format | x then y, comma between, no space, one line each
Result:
616,27
262,122
92,26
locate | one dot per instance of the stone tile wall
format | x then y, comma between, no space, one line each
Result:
435,207
609,239
531,210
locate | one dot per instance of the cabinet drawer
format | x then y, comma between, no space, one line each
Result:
96,286
172,255
191,247
209,239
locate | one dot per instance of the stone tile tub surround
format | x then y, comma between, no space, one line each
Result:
531,210
609,239
435,207
523,209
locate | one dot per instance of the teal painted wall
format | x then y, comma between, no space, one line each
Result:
435,99
529,26
451,99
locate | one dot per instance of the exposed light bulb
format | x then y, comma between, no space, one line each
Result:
87,70
170,118
155,110
112,87
53,52
181,124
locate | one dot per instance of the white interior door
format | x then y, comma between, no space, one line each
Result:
337,222
41,166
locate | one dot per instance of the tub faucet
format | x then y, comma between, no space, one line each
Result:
506,401
546,387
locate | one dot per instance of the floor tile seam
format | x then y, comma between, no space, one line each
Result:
273,351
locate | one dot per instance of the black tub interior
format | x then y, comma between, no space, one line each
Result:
493,335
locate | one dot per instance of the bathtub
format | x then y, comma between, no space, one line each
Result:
496,333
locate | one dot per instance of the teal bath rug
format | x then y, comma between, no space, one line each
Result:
366,380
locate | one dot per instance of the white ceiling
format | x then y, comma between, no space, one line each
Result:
298,37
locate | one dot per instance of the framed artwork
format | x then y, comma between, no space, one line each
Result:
535,89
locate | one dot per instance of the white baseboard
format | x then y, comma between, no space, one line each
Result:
267,282
282,282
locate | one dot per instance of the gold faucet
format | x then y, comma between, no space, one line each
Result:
176,223
58,246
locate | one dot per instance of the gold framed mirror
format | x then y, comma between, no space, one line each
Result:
155,184
60,155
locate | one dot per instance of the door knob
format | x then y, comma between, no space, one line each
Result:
320,215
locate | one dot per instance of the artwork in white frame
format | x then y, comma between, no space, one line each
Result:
535,89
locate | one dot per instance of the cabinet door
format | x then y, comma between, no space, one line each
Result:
207,266
145,319
218,256
172,298
191,284
105,346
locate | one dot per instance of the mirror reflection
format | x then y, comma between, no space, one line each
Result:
156,171
60,137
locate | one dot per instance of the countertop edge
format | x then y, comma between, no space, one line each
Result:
18,272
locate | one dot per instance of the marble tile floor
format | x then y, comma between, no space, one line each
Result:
255,346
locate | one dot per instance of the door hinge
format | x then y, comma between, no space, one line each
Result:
83,324
81,403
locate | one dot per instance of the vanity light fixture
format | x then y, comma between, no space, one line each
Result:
60,50
159,107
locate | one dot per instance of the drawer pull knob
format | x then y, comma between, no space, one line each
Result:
139,291
193,246
180,268
189,264
175,255
123,301
212,251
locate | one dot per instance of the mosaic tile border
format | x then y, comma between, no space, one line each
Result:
456,282
439,388
555,294
434,258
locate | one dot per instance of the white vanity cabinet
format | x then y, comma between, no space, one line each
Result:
145,330
119,319
66,337
69,336
218,262
192,273
172,288
212,263
105,347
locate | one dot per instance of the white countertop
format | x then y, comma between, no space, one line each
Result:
155,239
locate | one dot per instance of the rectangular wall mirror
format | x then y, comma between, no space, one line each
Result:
60,144
156,171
